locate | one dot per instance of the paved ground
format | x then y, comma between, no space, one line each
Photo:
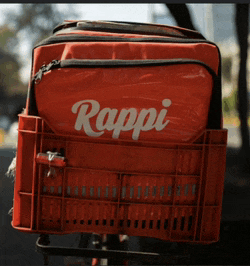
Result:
233,248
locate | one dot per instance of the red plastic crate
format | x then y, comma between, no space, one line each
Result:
169,191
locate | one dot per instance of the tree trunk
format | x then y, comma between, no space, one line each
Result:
242,22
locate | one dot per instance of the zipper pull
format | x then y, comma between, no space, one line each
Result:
52,65
45,68
39,74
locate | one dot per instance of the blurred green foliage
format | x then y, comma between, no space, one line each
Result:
34,22
229,104
30,23
10,83
8,38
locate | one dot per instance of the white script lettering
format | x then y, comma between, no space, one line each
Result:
128,119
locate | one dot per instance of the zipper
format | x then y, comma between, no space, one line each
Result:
214,116
44,69
112,63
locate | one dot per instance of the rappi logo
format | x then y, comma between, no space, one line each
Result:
128,119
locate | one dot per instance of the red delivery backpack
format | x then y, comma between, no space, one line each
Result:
122,134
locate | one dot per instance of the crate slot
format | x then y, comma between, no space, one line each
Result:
107,192
154,191
114,190
182,223
175,224
123,192
193,189
91,191
178,191
169,190
162,191
158,226
143,224
99,192
190,222
131,192
136,223
151,224
128,223
83,191
121,223
139,191
166,224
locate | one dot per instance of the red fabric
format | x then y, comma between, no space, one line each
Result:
206,53
187,86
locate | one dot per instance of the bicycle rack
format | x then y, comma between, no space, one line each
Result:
42,246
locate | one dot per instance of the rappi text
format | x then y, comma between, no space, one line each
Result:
128,119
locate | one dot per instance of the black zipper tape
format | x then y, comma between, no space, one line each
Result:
214,117
130,63
114,63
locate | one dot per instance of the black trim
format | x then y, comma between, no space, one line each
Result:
131,31
81,38
215,111
81,63
128,27
31,98
185,31
99,63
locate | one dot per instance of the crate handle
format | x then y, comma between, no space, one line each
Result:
52,159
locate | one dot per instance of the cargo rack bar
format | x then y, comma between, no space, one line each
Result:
42,246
